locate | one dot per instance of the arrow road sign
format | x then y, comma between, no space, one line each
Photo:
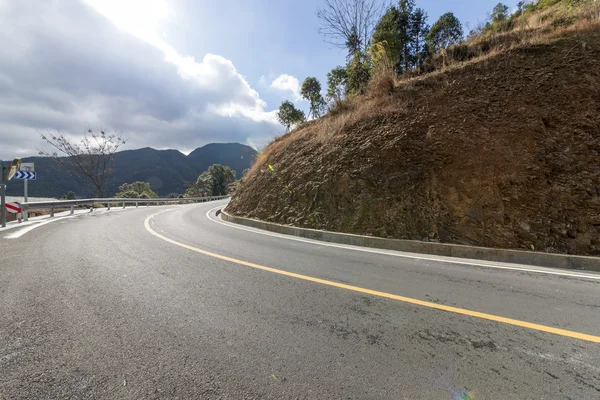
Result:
30,176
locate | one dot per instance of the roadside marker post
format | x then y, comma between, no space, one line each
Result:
14,166
26,172
14,208
3,196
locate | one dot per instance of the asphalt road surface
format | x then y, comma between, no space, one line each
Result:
138,305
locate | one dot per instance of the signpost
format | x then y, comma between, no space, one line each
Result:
3,198
12,169
27,173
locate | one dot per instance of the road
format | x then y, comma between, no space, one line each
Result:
171,302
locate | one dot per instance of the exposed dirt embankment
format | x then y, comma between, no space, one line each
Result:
500,152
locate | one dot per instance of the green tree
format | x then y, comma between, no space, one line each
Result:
386,33
358,73
213,182
336,81
499,13
204,183
446,31
520,6
289,115
136,190
405,12
402,30
69,196
311,91
418,32
220,178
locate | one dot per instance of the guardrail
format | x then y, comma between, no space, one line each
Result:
52,205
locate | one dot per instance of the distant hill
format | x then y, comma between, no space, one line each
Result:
168,171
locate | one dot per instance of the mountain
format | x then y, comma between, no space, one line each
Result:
167,171
237,157
499,151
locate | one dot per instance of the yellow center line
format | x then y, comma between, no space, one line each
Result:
476,314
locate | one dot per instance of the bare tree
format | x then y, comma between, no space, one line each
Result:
349,23
90,158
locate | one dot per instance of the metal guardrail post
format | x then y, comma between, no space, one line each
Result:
72,209
136,204
108,208
123,204
52,211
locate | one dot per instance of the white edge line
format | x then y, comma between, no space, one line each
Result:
21,232
35,224
396,253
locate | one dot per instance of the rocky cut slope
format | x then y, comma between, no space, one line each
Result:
501,151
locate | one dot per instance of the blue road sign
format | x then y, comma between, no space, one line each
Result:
30,176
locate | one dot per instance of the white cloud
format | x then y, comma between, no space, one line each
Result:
285,82
64,66
142,18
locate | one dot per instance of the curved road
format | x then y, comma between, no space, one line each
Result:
172,302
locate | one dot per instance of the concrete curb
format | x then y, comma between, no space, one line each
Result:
439,249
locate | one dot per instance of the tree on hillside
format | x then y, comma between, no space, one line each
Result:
311,91
213,182
520,6
500,18
336,81
289,115
418,32
69,196
136,190
201,187
446,31
386,33
499,13
349,24
405,11
403,29
90,159
358,73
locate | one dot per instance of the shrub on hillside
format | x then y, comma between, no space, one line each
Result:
342,106
128,194
136,190
382,83
69,196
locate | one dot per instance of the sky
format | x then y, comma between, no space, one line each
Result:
174,74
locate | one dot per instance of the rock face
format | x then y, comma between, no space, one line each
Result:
501,152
